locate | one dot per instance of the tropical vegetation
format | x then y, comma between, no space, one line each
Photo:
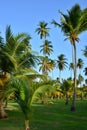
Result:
21,81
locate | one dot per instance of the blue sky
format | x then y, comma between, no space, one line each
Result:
25,15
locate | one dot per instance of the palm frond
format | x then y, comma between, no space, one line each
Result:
55,23
41,87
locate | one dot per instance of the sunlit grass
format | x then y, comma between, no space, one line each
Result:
55,116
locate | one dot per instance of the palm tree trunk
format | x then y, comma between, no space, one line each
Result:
67,99
73,107
3,114
60,76
27,124
3,81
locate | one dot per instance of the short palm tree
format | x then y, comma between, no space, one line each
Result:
72,24
26,92
66,88
61,63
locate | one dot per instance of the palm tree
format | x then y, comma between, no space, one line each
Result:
42,30
46,48
73,24
85,70
16,58
52,64
26,92
85,51
80,64
66,88
80,79
61,63
46,65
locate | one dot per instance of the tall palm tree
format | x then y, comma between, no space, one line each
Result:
72,24
42,30
46,48
61,63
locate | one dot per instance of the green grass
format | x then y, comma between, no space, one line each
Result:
55,116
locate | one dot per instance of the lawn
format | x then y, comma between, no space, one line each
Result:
54,116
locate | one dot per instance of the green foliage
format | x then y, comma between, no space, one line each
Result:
46,64
61,62
21,94
66,86
46,48
85,51
42,29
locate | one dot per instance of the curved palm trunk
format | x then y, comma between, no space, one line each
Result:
73,107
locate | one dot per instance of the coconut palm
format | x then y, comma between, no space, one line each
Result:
80,64
72,24
85,51
52,64
85,70
46,65
66,88
16,57
79,82
61,63
80,79
18,60
26,92
46,48
42,30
